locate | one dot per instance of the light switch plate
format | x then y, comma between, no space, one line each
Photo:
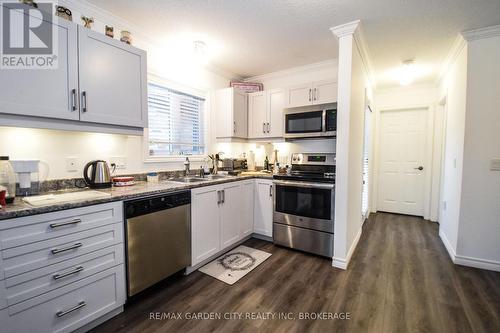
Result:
71,164
495,164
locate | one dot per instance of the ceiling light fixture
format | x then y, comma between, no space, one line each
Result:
200,51
407,72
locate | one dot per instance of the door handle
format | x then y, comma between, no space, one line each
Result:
270,190
64,249
263,127
310,90
73,99
84,101
234,126
218,198
315,94
268,127
419,168
223,196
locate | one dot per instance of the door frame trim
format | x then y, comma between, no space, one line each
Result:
428,161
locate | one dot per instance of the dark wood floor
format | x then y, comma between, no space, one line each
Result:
400,279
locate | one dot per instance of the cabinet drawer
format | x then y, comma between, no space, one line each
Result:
25,258
24,286
70,307
36,228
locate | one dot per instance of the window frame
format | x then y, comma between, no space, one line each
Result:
159,80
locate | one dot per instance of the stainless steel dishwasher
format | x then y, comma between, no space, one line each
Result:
158,238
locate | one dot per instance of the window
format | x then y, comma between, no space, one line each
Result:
176,125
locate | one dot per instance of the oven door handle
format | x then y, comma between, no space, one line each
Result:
304,184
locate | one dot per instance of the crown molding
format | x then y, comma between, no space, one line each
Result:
345,29
140,34
486,32
364,51
458,45
294,70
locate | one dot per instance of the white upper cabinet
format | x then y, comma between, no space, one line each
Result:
265,114
50,93
313,93
231,113
325,92
112,80
257,114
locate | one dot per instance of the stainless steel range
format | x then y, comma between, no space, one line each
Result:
304,204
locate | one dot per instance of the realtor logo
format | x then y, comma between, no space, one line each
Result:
29,36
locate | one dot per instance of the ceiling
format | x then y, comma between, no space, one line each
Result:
253,37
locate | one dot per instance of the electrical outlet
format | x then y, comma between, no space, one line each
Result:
495,164
71,164
119,161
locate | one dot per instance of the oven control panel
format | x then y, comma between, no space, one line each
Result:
314,159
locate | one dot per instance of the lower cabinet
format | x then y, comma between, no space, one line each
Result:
263,207
221,215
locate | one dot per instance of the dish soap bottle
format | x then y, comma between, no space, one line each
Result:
266,163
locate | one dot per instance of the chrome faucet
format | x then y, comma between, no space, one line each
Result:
187,166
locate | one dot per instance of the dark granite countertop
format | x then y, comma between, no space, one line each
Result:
19,208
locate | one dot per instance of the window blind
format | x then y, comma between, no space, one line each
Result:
175,122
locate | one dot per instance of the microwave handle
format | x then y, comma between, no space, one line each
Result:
323,125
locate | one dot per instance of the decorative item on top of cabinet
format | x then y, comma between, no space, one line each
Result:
109,31
311,93
64,12
248,87
87,21
126,37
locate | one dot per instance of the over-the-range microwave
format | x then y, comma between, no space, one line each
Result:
310,124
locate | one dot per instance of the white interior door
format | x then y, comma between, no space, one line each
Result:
402,154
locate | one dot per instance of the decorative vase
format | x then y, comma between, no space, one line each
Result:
87,21
126,37
109,31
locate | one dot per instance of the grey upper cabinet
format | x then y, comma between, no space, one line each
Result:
48,93
112,80
99,81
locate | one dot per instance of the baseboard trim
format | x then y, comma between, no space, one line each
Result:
344,263
490,265
447,245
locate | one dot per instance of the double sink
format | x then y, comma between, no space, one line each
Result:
196,179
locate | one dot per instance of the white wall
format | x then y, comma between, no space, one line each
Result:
479,223
454,87
411,97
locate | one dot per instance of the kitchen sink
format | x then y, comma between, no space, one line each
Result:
188,179
219,176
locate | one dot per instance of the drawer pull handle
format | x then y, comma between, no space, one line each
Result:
64,249
58,276
62,224
76,307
